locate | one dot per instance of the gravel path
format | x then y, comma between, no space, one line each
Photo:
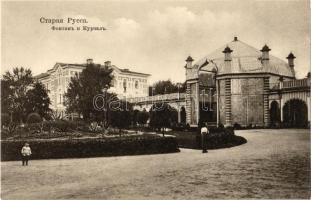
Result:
273,164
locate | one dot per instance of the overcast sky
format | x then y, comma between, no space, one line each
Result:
151,36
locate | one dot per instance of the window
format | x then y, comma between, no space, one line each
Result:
136,84
124,85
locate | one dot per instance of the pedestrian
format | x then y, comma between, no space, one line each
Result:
204,132
26,152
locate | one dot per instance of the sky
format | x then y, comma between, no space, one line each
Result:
152,37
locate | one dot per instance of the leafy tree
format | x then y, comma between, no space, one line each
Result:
134,116
83,88
21,96
120,115
15,85
162,115
34,118
38,100
167,87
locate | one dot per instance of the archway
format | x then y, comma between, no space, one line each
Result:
295,113
275,114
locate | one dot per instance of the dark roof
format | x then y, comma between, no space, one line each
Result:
265,48
290,56
189,59
227,50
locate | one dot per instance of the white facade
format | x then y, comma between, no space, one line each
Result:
126,83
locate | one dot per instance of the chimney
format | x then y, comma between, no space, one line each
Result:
108,63
227,51
265,52
89,61
290,59
189,62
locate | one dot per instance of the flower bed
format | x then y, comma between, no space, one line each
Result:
89,147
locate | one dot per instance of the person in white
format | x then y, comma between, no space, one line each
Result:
26,152
204,132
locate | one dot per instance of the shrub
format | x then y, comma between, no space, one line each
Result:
5,119
33,118
217,138
76,148
142,117
237,126
62,125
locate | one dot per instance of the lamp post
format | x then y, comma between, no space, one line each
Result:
104,90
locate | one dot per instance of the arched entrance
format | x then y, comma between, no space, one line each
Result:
295,113
275,114
183,115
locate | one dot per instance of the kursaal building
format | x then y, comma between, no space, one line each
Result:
239,84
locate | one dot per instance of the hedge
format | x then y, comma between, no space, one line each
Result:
216,139
79,148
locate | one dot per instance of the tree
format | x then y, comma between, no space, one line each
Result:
167,87
38,100
15,85
142,117
83,88
120,115
162,115
34,118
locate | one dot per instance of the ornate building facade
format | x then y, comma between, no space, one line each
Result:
126,83
243,81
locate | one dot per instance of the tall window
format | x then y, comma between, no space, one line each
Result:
136,84
124,85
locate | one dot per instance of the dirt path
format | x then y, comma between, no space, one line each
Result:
273,164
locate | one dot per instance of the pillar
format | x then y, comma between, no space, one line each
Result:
266,101
309,109
228,102
281,108
178,110
217,96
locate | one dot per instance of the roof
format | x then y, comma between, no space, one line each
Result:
42,75
245,59
132,72
189,59
290,56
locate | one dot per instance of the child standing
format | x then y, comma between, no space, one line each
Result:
26,152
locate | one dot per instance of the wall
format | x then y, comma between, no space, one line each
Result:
247,101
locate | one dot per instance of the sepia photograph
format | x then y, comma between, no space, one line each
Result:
163,99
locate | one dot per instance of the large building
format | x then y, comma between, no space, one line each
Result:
238,84
126,83
239,80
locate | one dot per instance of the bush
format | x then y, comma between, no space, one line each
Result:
78,148
217,138
5,119
34,118
237,126
61,125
